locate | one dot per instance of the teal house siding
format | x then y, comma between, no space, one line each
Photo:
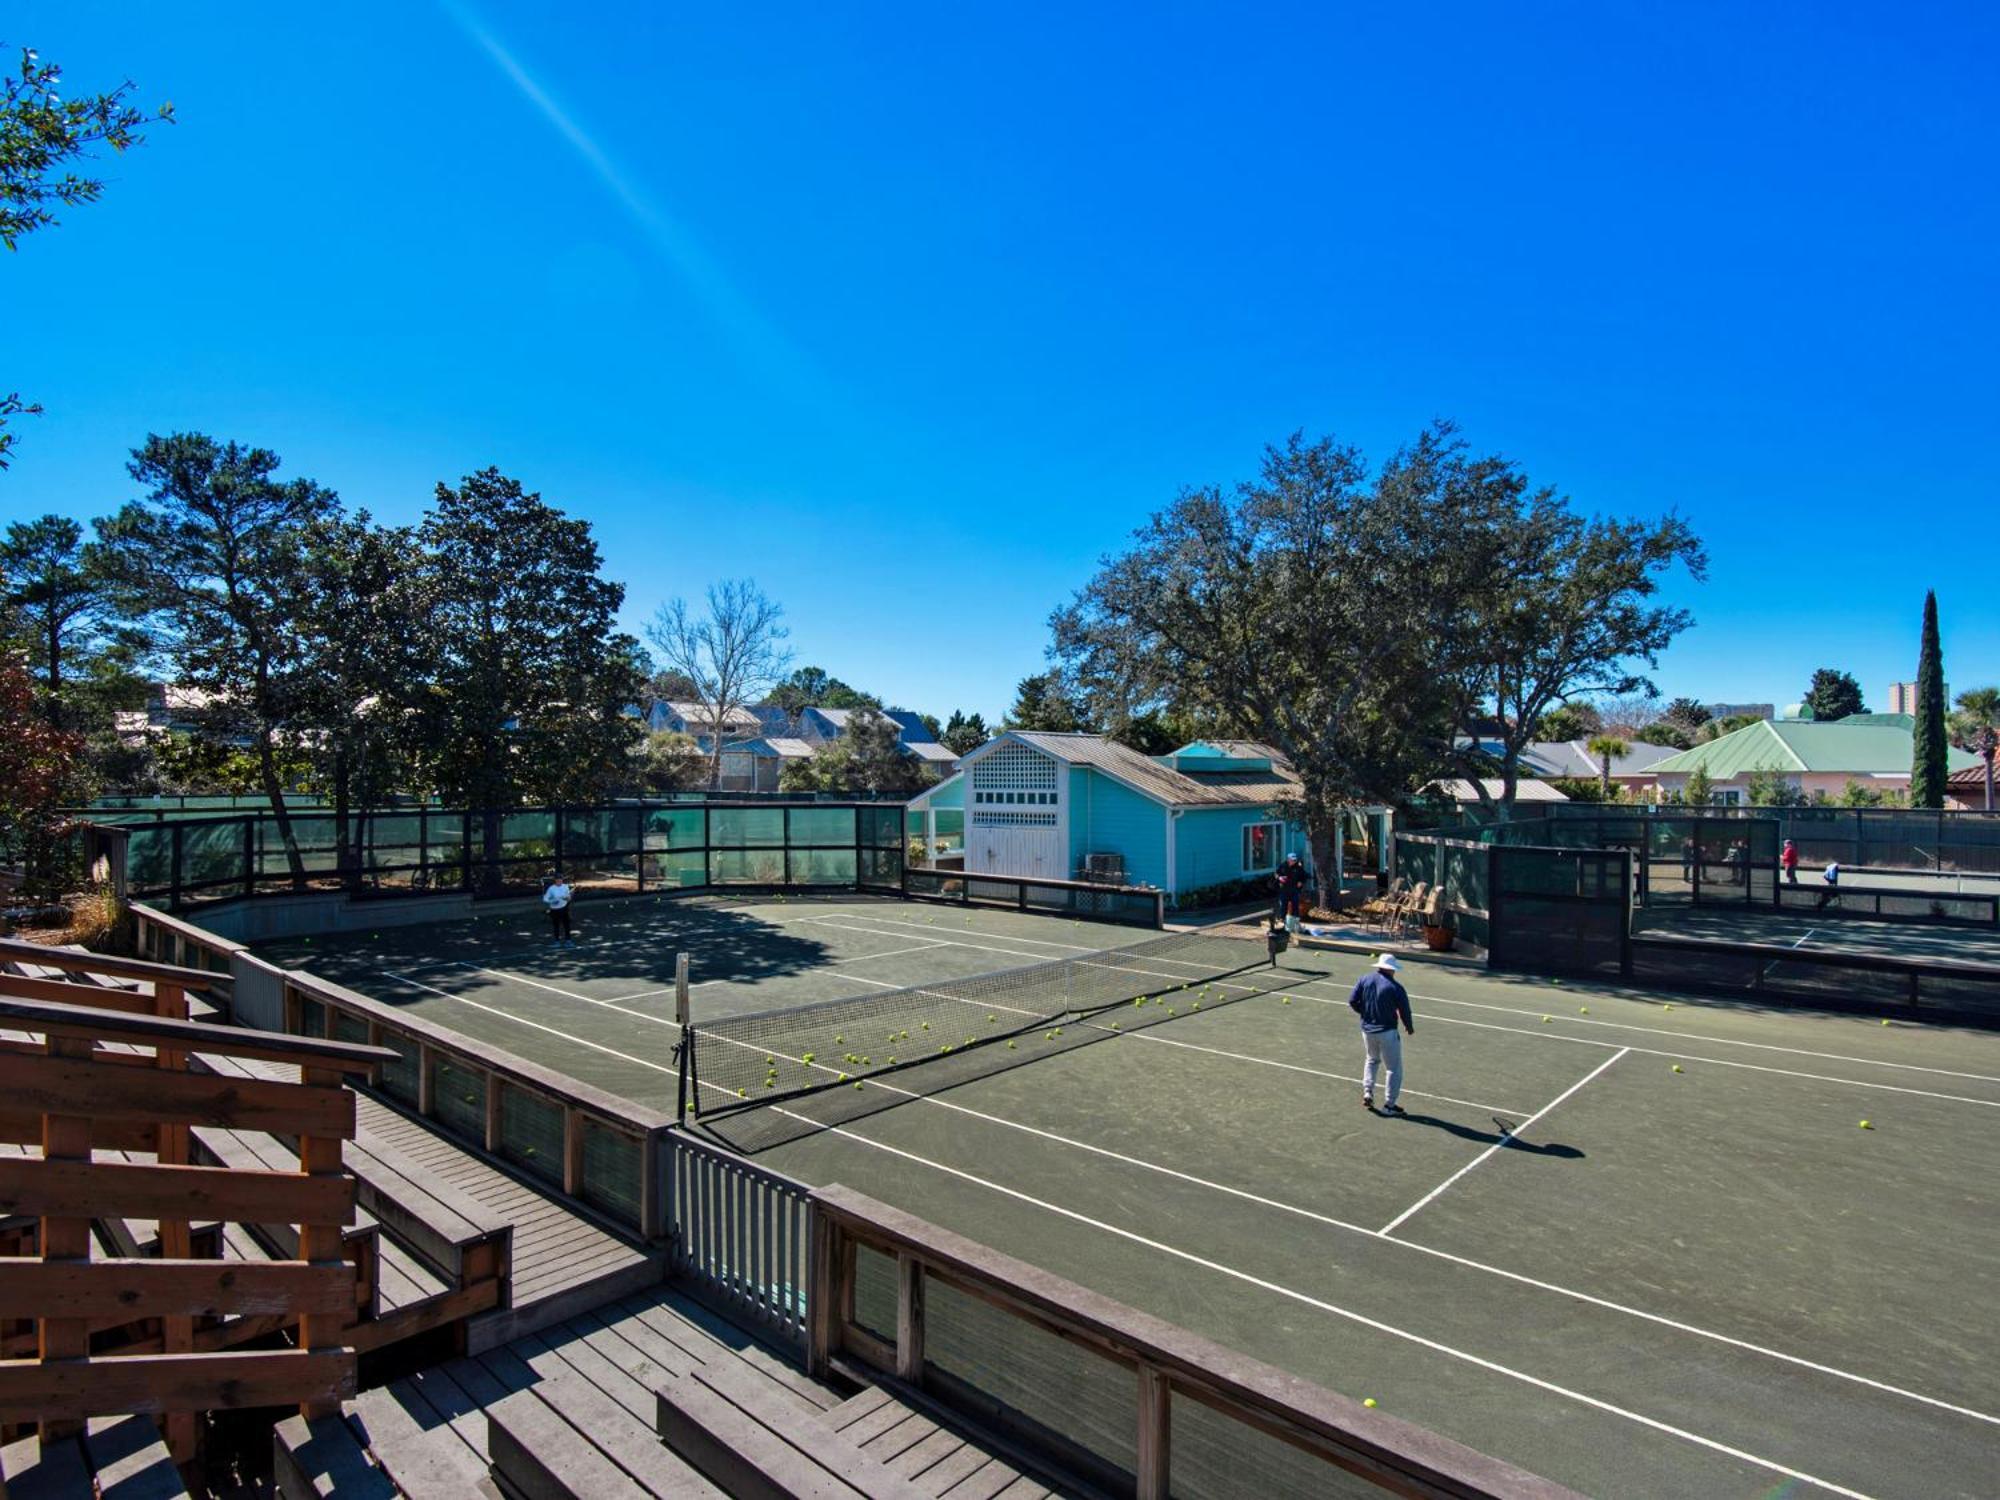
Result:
1208,846
1114,819
1080,803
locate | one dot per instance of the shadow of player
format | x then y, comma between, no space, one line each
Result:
1504,1132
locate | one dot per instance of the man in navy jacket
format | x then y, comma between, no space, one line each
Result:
1383,1004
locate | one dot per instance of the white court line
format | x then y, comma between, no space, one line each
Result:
1315,1072
1502,1144
1445,1255
1802,941
508,1015
1351,1316
1684,1036
1239,1193
637,1015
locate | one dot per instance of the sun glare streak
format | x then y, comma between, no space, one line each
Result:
763,349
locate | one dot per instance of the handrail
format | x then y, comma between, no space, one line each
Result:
1830,958
72,962
1168,1360
88,1022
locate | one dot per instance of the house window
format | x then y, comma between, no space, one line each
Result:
1260,847
1727,797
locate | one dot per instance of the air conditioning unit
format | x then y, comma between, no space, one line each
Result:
1106,869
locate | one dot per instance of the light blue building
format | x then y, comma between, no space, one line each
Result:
1212,815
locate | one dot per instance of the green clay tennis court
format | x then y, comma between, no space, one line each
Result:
1639,1243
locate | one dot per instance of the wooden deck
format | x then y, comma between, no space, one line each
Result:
564,1262
580,1401
937,1458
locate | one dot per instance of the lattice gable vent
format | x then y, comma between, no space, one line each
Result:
1014,767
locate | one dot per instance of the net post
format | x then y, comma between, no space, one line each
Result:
685,1060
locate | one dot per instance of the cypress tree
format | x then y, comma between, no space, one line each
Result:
1928,766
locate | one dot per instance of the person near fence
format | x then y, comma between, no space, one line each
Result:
1831,886
1689,854
1382,1003
1788,861
1291,888
556,896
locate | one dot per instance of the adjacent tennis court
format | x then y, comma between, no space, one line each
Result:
1639,1243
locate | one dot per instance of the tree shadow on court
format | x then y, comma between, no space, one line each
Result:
1497,1136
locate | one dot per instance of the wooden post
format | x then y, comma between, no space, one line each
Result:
65,1138
909,1319
425,1058
320,1156
1155,1421
572,1170
176,1240
651,1198
823,1317
493,1113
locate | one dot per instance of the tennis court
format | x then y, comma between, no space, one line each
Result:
1635,1242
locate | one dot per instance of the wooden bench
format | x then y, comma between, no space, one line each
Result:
754,1443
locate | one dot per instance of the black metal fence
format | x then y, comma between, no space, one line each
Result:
1951,841
1132,905
619,847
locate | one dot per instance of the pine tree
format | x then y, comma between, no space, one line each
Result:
1929,766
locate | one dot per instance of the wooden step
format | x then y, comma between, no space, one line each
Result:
29,1471
541,1456
753,1440
415,1445
130,1460
310,1459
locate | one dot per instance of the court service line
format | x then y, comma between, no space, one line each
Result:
1660,1319
1294,1295
1695,1057
508,1015
1506,1140
637,1015
1684,1036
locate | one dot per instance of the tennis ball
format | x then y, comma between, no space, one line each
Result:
1866,1126
1197,1005
1555,981
840,1041
991,1019
1285,1000
741,1095
1885,1022
807,1059
1369,1402
892,1062
1010,1047
1677,1067
1668,1006
1171,1011
1583,1010
927,1027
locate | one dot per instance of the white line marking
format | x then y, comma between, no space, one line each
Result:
1502,1144
1808,935
637,1015
1315,1072
1381,1237
1720,1062
507,1015
1349,1315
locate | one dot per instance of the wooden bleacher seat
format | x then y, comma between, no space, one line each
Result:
753,1442
320,1457
116,1458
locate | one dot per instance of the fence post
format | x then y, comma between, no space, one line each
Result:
1155,1443
909,1319
823,1317
651,1199
176,848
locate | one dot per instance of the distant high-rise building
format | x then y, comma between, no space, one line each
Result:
1903,697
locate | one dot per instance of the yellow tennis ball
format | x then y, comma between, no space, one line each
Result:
1547,1019
1368,1402
1583,1010
1866,1126
1677,1067
1885,1021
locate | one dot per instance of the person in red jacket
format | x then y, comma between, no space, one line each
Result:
1788,861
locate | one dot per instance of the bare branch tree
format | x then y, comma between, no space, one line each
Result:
733,655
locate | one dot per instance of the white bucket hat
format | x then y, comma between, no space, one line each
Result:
1387,963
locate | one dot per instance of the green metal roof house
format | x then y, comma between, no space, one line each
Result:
1075,806
1874,749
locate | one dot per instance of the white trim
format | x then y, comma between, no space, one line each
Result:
931,791
1173,864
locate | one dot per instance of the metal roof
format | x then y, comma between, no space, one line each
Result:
700,713
1145,775
1803,745
1574,758
926,750
1462,790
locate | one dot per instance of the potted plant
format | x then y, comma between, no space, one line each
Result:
1439,935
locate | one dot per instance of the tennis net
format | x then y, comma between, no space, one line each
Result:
742,1062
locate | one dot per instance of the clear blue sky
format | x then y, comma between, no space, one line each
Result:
910,312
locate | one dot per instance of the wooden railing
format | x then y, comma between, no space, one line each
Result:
740,1236
1032,1331
161,937
96,1075
609,1153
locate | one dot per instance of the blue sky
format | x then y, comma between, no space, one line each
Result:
911,312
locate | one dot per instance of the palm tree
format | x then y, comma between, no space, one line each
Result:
1976,726
1605,747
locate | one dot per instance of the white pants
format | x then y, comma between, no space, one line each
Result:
1385,1048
